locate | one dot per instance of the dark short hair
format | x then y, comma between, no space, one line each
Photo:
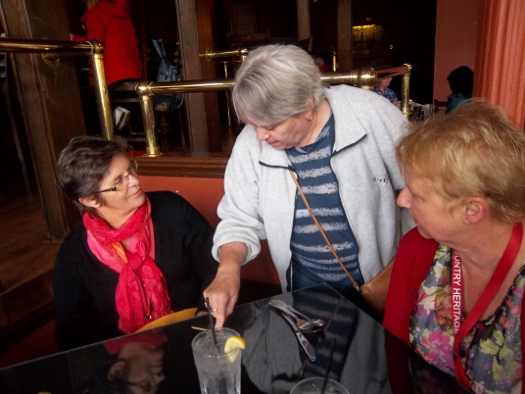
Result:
461,80
84,162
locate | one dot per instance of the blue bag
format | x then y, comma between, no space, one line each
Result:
167,73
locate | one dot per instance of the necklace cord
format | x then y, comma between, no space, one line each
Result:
502,269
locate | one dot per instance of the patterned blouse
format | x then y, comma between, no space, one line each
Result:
492,348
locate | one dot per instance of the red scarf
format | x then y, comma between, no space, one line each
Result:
142,293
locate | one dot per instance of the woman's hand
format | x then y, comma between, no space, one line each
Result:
223,292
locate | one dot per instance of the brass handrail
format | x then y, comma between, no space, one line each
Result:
45,46
92,48
239,52
200,85
364,77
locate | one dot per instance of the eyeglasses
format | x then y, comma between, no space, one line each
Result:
124,179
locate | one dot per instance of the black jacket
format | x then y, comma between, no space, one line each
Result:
84,288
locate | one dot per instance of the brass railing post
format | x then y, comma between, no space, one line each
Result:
225,64
148,117
334,62
101,90
403,70
405,91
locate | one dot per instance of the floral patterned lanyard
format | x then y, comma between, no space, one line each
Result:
456,283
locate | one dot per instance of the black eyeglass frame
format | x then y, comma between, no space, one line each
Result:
134,167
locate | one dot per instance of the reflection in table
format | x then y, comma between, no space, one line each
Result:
272,362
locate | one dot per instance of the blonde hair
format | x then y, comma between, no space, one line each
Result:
475,151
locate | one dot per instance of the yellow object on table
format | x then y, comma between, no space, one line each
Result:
171,318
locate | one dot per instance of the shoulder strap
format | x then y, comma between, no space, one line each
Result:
354,283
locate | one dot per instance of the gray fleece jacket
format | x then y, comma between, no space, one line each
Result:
259,200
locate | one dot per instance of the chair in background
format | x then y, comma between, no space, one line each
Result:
167,68
124,93
439,106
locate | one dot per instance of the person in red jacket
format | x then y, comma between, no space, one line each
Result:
109,22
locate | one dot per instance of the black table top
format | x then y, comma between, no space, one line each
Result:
367,359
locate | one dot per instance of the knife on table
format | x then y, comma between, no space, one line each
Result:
310,351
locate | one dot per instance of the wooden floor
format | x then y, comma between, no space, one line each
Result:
26,264
26,250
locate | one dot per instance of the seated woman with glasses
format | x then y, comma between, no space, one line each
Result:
134,258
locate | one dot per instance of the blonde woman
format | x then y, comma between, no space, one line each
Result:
456,292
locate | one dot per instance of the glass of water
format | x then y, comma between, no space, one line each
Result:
219,372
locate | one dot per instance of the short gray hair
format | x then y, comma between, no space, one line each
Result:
274,83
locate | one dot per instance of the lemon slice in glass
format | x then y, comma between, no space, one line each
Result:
232,346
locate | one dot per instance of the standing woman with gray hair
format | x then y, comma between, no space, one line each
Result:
339,144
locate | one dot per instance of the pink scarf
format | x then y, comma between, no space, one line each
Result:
142,293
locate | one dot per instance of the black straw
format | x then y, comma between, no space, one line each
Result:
212,323
327,372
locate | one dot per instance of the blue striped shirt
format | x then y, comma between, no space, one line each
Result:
311,255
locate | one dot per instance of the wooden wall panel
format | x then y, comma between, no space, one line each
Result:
205,16
195,35
344,35
50,100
